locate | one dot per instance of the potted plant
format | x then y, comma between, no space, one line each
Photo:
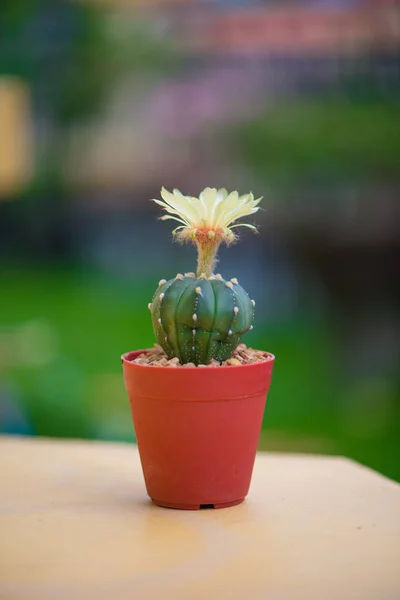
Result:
198,398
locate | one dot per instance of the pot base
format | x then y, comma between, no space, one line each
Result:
196,506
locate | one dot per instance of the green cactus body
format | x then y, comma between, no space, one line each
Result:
197,319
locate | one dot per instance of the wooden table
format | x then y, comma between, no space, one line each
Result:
75,523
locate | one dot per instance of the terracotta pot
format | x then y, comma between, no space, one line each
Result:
197,429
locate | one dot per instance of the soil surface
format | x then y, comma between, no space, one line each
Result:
242,355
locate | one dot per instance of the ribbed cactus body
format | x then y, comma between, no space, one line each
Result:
199,319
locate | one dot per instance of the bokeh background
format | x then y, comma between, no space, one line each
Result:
102,103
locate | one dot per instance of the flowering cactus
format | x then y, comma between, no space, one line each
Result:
200,318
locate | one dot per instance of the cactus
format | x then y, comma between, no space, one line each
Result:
200,318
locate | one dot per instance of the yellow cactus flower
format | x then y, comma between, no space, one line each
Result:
214,210
209,219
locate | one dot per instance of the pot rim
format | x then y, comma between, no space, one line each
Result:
125,360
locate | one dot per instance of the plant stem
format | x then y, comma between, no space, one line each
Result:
207,256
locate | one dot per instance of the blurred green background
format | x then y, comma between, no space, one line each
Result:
102,103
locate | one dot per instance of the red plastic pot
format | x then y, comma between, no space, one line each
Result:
197,429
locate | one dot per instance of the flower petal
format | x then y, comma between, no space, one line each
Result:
166,207
166,217
244,225
178,228
224,208
207,199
